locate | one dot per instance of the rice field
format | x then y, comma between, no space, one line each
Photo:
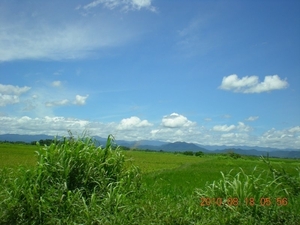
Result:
150,187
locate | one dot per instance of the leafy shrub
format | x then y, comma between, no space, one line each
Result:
74,182
200,154
234,155
289,181
257,198
188,153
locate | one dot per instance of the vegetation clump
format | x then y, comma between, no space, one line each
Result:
234,155
256,198
77,182
74,181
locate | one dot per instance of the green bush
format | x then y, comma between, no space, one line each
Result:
287,180
257,198
199,153
188,153
74,182
234,155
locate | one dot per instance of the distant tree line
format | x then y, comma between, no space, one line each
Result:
191,153
42,142
15,142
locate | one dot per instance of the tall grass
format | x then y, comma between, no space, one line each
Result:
77,182
74,181
261,197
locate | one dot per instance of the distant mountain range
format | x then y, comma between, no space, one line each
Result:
173,147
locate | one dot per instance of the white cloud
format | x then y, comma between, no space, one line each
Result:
57,103
228,135
234,139
251,84
14,90
46,125
8,99
281,138
70,42
125,5
175,120
9,94
252,118
294,129
80,100
241,127
43,38
132,123
56,83
176,127
188,134
224,128
135,129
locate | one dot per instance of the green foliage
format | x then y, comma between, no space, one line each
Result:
287,180
44,142
73,178
199,154
256,198
76,182
234,155
14,155
188,153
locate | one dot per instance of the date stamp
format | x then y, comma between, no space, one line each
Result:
267,201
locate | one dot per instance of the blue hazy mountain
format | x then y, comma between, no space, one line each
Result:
171,147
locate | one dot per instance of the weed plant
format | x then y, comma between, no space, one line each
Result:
77,182
74,182
256,198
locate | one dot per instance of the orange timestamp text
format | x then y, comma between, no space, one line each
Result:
267,201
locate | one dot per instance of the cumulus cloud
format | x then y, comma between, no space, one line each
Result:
234,139
294,129
281,138
13,90
80,100
46,125
175,120
224,128
125,5
252,118
9,94
241,127
8,99
132,123
134,129
251,84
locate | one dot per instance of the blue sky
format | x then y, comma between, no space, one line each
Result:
208,72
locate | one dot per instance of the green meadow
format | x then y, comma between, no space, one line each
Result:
75,182
12,155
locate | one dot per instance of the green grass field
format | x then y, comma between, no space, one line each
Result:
173,184
12,155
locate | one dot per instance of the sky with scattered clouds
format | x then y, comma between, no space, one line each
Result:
208,72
